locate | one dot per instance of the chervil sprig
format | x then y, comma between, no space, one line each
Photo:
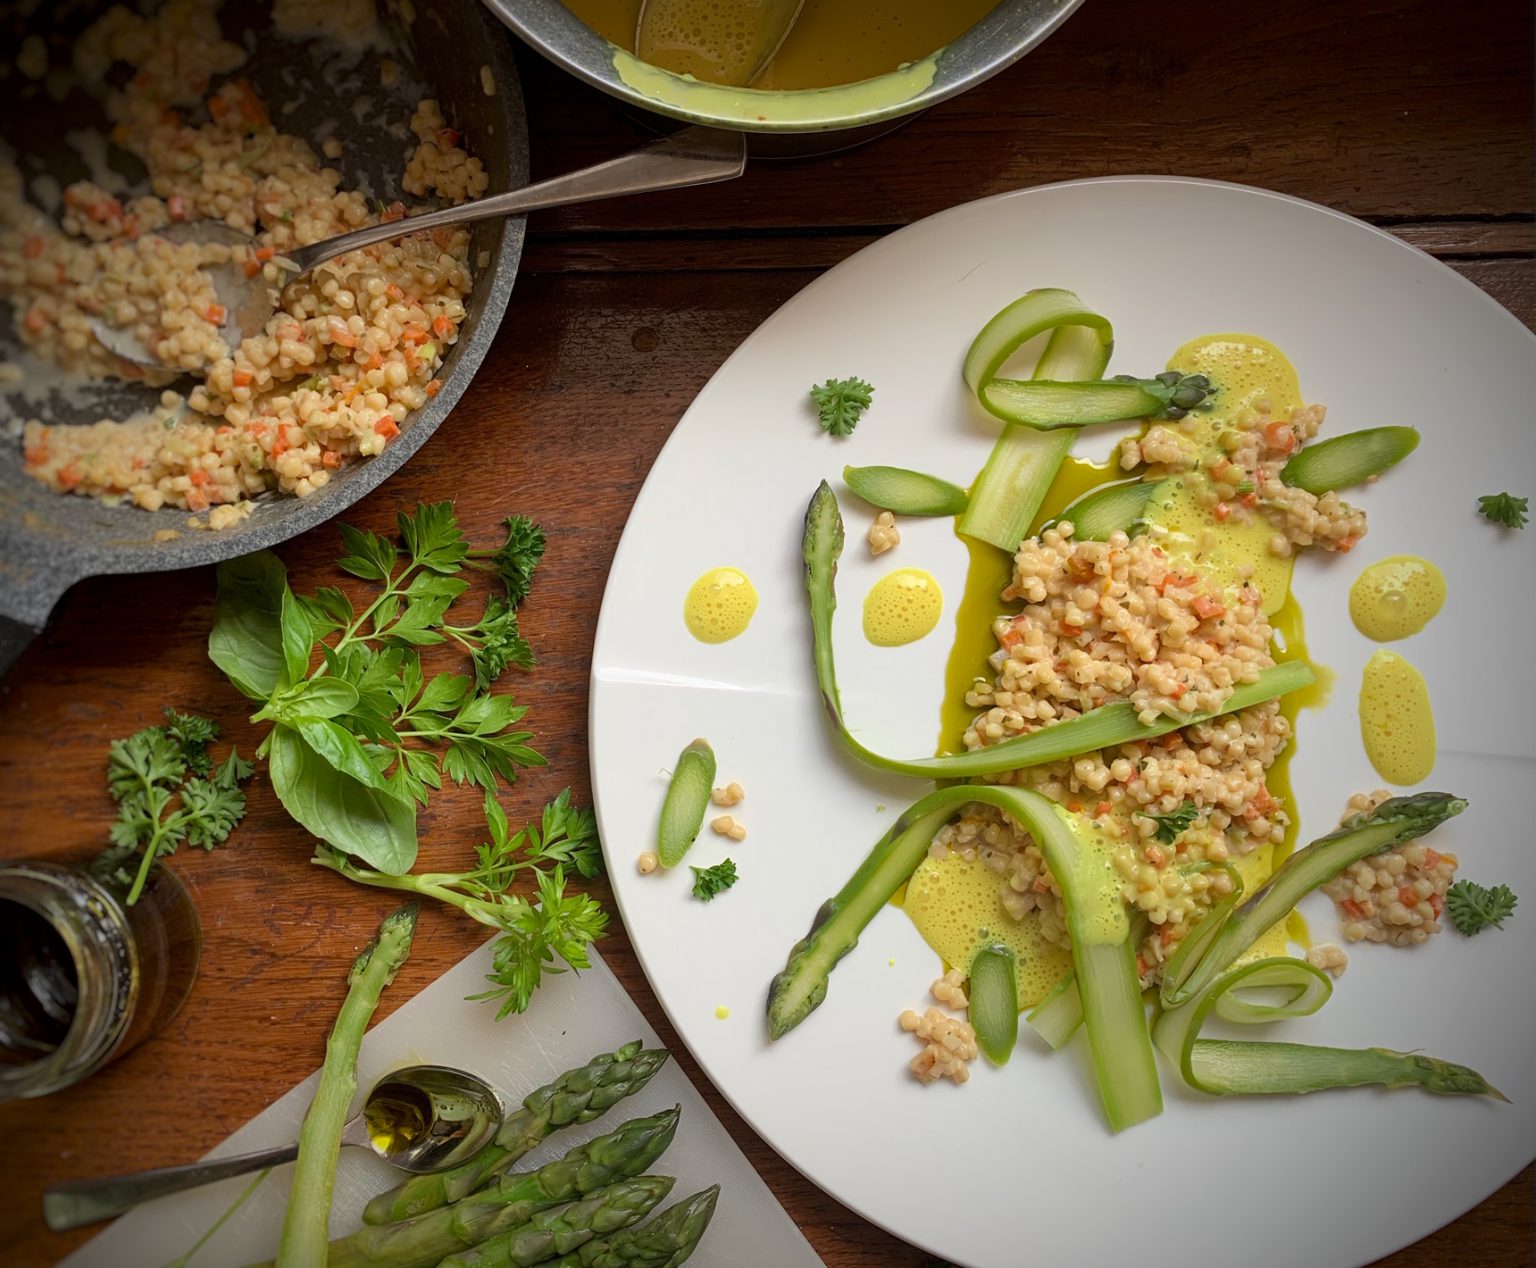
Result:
536,937
167,794
711,881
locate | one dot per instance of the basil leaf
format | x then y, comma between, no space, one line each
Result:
340,750
298,636
321,698
246,640
378,827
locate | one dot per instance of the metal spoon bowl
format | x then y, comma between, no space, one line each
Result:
694,156
677,30
420,1118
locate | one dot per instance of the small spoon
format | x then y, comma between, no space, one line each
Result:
694,156
421,1118
730,43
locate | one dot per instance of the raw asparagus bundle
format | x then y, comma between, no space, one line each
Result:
665,1242
565,1228
577,1096
509,1200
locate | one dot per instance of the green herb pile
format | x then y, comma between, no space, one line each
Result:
710,881
1473,907
360,736
840,403
168,792
1504,509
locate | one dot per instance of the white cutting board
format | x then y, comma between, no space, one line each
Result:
570,1020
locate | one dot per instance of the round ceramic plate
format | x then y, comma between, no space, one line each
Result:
1018,1164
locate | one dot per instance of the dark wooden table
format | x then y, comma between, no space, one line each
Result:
1412,115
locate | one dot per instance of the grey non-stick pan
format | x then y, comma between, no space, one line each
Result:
315,88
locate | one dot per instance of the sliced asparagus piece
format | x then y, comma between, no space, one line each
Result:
577,1096
566,1228
306,1225
904,492
1349,459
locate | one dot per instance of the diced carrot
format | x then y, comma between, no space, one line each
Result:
441,326
34,246
264,254
223,429
1205,607
387,427
1280,436
1406,896
448,136
1351,908
1155,855
1179,689
330,460
1102,809
1436,904
1431,857
250,268
35,321
69,476
197,500
434,386
1141,965
176,207
394,292
1076,807
216,313
1167,935
198,476
1347,544
1221,512
218,108
375,362
1249,499
131,226
35,455
341,334
243,378
413,333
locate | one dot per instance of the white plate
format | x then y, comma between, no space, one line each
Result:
1018,1162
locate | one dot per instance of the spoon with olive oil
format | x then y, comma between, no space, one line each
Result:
421,1118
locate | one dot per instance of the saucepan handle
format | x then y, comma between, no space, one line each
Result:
14,637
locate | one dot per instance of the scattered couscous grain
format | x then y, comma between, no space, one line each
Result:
883,534
648,862
950,1045
726,826
730,795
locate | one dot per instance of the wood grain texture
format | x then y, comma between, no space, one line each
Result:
1390,111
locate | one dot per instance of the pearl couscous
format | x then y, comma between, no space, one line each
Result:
354,347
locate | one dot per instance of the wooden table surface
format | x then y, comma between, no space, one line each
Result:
1412,115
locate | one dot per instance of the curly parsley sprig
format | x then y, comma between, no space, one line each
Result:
536,937
711,881
168,793
1503,508
840,403
1173,825
1473,907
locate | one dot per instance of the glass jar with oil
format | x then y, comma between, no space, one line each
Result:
85,978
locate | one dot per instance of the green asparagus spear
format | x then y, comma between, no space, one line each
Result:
509,1201
577,1096
306,1225
566,1228
667,1241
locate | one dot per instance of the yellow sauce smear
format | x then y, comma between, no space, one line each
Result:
832,42
1396,598
1397,723
720,605
902,607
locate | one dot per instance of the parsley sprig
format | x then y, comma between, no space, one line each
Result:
839,403
168,794
536,937
1473,907
361,736
1503,508
1173,825
710,881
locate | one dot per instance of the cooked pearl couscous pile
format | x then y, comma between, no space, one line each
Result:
949,1043
1394,896
354,347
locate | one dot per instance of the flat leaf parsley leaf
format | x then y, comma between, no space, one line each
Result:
1171,826
1503,508
839,403
167,793
709,881
1474,908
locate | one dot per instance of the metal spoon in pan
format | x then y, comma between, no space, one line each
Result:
694,156
728,44
421,1118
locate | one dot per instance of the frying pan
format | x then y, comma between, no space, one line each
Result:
314,88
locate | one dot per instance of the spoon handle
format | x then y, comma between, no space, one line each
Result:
79,1202
694,156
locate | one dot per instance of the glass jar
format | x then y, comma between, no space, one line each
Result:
85,978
